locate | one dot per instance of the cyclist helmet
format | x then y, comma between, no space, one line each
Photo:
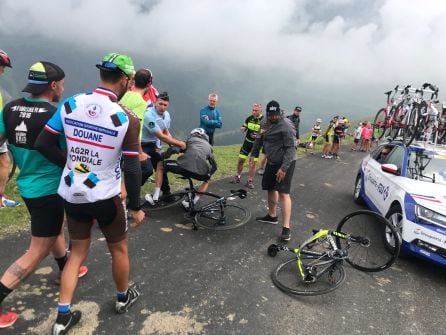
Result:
318,120
4,59
197,131
114,62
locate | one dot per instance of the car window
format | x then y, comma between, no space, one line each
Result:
429,168
395,157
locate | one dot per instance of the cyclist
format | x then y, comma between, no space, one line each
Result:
279,140
156,130
20,122
251,127
328,136
5,61
196,162
98,132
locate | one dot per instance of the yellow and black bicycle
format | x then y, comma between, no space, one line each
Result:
363,239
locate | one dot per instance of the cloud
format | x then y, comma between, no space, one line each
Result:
336,43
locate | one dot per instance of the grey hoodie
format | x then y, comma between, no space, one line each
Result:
279,142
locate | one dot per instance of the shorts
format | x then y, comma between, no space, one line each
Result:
172,166
3,148
108,213
47,215
313,138
356,140
269,182
246,149
336,139
154,153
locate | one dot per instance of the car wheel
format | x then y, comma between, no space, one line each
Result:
357,197
395,217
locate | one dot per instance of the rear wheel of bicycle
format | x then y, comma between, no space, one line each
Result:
397,115
411,128
222,217
166,201
379,124
372,253
12,166
287,278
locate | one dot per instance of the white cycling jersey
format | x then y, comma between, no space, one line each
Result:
98,131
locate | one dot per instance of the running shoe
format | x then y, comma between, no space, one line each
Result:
132,295
261,171
65,322
83,270
286,234
235,180
8,202
250,184
268,219
7,319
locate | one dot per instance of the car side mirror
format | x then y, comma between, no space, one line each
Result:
390,168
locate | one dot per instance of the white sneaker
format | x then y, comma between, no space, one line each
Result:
149,199
260,171
5,202
323,156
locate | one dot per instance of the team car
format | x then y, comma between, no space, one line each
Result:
408,186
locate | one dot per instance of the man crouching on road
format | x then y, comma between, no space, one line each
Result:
278,138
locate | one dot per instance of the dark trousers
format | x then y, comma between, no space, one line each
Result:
211,138
155,157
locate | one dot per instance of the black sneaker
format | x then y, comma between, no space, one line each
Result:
268,219
133,295
65,322
286,234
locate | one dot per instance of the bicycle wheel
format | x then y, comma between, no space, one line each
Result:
12,166
370,251
221,216
379,124
411,128
165,202
397,115
286,277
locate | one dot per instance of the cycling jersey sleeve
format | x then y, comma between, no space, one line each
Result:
2,124
54,125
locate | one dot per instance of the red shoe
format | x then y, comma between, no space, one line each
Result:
7,319
83,270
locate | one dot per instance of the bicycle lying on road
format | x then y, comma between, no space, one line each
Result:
218,214
363,239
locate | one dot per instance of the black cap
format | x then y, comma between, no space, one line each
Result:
41,74
273,108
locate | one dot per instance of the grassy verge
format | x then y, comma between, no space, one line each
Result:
15,219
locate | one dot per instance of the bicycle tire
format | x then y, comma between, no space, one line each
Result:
166,201
396,120
213,218
373,254
286,278
412,127
379,124
12,166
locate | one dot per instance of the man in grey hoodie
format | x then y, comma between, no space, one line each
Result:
278,138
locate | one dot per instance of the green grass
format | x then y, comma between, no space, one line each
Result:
15,219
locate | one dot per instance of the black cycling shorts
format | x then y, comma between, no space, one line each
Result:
336,139
245,150
172,166
108,213
269,182
47,215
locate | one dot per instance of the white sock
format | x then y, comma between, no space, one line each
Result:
196,199
156,193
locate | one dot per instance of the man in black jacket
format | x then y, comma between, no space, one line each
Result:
295,118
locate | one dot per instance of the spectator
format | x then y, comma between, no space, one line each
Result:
278,138
357,137
328,137
315,133
338,134
295,119
366,135
156,130
152,92
210,117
